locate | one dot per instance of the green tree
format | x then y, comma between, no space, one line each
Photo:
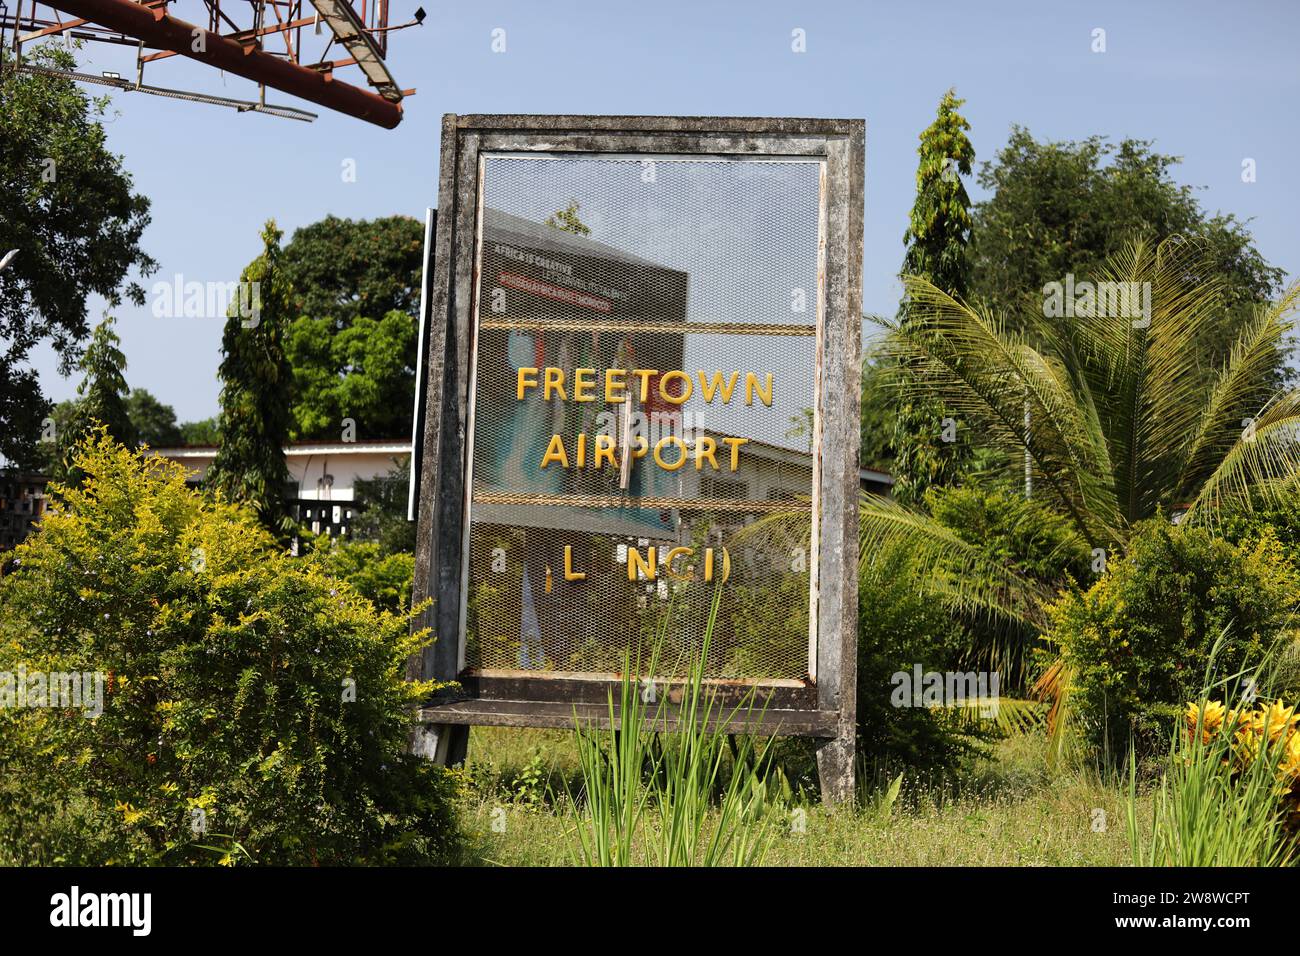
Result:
1012,532
154,423
343,269
205,432
255,381
1060,208
1125,428
939,227
566,220
101,398
364,372
354,290
49,451
67,207
930,446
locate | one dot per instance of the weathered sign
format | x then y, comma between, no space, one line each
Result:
641,417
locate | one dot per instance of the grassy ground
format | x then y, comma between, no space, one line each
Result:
1010,810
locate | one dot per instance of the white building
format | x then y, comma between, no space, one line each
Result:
323,475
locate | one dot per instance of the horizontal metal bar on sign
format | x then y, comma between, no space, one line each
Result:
721,148
641,157
664,328
529,713
680,125
614,501
503,684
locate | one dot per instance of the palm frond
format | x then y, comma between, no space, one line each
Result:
960,574
1010,716
989,377
1237,388
1264,459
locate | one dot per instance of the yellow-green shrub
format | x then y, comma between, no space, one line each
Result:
241,683
1139,641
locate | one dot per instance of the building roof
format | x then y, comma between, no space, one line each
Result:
391,446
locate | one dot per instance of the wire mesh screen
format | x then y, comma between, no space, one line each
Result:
642,421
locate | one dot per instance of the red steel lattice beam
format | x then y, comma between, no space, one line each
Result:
162,31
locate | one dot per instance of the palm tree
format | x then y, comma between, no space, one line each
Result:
1132,415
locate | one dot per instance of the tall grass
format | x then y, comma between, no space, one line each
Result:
664,799
1211,809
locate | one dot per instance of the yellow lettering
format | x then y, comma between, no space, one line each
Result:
672,556
636,566
704,448
583,382
752,386
569,573
734,444
553,380
527,378
615,385
710,386
708,565
644,374
667,394
659,446
555,452
582,449
604,451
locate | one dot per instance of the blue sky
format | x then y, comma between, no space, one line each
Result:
1215,83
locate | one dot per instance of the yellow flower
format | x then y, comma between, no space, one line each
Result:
1214,714
1251,720
1278,720
1290,763
129,813
1210,719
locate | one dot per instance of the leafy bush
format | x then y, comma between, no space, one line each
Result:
900,626
1014,532
1279,518
385,579
254,709
1138,643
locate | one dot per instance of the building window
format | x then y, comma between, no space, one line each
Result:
725,488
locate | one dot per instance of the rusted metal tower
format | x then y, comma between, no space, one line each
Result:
266,41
